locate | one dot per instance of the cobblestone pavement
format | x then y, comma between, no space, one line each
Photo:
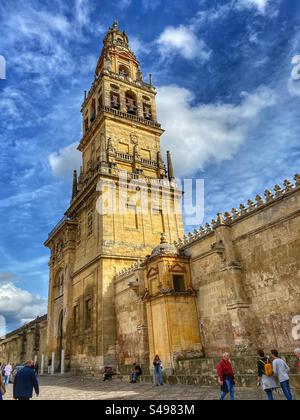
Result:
74,388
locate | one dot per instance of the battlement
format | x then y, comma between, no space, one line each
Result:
243,211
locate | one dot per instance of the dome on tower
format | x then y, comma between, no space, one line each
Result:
164,248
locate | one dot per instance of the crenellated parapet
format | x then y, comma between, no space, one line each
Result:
127,272
244,210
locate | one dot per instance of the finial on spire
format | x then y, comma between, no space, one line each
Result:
170,166
150,79
116,24
163,239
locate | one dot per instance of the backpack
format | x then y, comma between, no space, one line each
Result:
268,368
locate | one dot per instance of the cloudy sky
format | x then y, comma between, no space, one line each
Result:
225,96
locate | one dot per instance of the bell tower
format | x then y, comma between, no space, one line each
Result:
120,148
120,128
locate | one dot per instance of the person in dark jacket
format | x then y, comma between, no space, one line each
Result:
25,382
136,373
226,377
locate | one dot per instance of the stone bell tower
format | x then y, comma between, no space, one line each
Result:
121,151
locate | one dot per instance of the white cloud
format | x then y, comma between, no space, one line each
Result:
17,305
151,4
184,41
82,11
138,46
12,102
294,87
207,132
124,4
260,5
46,36
64,162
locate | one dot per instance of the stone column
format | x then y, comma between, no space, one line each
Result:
43,365
53,364
62,369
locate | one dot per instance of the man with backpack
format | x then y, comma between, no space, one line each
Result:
281,370
266,378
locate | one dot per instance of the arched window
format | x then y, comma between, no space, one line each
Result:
59,283
124,71
131,103
179,283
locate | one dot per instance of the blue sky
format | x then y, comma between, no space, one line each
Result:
225,96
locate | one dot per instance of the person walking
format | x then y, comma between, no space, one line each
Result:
25,382
281,370
297,354
158,378
7,373
226,377
266,377
2,388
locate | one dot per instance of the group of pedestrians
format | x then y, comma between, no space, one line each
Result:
273,373
24,381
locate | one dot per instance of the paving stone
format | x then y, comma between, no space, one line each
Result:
73,388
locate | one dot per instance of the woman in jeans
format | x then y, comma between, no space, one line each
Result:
268,383
226,377
282,371
158,371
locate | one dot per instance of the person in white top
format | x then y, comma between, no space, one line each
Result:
281,370
7,373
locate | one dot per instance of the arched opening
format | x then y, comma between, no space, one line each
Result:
131,103
115,100
124,71
147,110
